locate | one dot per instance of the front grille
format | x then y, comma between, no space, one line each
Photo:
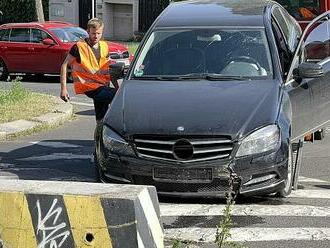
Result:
183,148
216,186
124,55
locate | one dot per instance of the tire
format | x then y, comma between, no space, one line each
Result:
3,70
97,169
319,135
286,190
97,139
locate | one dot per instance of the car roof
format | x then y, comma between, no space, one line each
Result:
47,24
214,13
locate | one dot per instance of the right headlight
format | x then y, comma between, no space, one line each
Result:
263,140
116,144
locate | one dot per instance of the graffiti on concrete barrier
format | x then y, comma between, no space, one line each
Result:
53,233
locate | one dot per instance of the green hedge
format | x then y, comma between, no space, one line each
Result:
21,10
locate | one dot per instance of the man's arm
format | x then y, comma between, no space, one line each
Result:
64,91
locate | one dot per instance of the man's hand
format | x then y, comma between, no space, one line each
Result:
65,95
64,92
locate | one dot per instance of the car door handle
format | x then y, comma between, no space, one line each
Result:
3,47
31,48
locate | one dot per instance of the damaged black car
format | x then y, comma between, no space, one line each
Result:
217,89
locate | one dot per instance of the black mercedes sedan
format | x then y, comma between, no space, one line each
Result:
218,88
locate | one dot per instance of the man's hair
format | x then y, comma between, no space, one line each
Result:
95,23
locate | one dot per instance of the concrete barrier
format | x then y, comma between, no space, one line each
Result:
75,214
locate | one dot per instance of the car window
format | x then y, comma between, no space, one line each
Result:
20,35
302,9
232,52
37,35
69,34
290,29
4,34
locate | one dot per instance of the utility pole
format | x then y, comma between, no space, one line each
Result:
40,11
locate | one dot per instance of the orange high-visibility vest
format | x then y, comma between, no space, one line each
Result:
90,74
306,13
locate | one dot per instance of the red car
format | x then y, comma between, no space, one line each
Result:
40,48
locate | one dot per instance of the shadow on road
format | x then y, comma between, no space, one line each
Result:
31,78
86,112
54,160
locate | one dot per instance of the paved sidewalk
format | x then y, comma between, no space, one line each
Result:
62,112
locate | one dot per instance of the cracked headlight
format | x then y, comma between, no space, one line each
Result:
116,144
262,140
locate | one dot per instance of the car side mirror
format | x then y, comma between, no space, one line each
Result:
48,42
309,70
117,70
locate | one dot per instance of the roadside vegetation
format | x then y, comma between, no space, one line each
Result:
132,46
223,235
19,103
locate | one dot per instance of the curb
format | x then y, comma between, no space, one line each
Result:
62,112
4,175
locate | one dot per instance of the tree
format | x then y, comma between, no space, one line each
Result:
40,11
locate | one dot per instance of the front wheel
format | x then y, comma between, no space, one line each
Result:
286,190
3,70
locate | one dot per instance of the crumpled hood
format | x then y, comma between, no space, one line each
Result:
201,107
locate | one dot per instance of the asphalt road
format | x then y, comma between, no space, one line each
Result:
301,220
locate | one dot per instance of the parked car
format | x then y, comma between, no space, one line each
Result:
40,48
217,90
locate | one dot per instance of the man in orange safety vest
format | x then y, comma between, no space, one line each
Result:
89,60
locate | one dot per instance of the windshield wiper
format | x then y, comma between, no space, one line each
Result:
192,76
212,77
158,77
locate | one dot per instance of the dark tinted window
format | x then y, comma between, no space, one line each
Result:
20,35
38,36
4,34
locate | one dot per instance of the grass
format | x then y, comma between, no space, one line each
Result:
132,46
19,103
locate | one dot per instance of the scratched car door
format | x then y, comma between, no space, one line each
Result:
317,50
287,31
314,48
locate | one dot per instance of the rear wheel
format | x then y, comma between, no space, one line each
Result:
319,135
3,70
286,190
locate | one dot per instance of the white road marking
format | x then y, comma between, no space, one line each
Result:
82,104
310,180
250,234
310,193
54,144
243,210
56,156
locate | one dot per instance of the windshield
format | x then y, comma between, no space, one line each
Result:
69,34
216,52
